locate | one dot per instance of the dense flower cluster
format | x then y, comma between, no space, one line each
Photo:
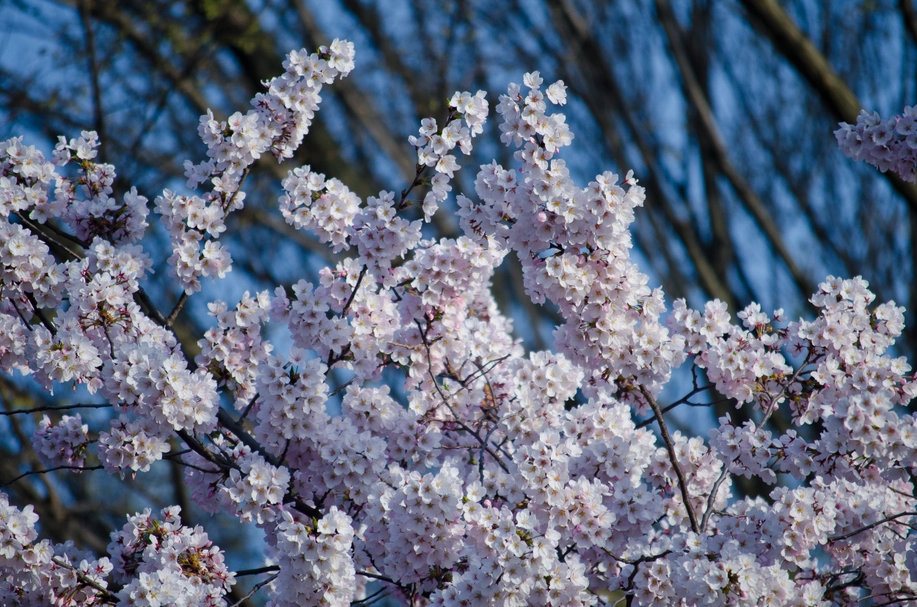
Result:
488,476
229,348
888,145
63,444
131,445
316,567
162,562
279,120
28,268
97,214
39,573
325,207
573,244
254,486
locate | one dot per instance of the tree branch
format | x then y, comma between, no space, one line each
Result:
837,538
768,17
670,447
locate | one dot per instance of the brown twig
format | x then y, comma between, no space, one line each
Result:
670,447
51,408
257,571
86,8
837,538
107,594
353,293
46,470
48,239
45,321
255,589
178,306
456,419
712,498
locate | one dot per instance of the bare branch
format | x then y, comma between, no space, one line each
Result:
50,409
670,447
837,538
792,43
46,470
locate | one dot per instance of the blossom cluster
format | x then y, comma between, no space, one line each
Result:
573,244
327,208
316,567
277,123
160,561
97,213
40,573
228,349
433,147
485,475
887,144
28,268
131,445
62,444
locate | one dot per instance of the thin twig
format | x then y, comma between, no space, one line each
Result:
225,418
773,404
255,589
457,419
22,317
85,9
332,358
342,387
248,408
178,306
899,599
670,446
483,446
354,292
642,559
48,238
176,458
41,315
837,538
711,499
77,241
196,446
858,579
46,470
379,594
376,576
668,408
104,592
258,571
232,198
151,310
52,408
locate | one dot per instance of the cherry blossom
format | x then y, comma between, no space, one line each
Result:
888,145
488,475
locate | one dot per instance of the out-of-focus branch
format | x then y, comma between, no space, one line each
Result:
794,184
673,458
793,45
707,121
598,87
909,17
111,12
361,107
86,7
768,17
59,523
887,519
369,19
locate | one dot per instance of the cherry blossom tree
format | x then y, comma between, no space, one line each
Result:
491,475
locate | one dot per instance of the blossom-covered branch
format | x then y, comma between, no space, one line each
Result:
487,475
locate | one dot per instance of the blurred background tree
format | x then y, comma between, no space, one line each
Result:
724,109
